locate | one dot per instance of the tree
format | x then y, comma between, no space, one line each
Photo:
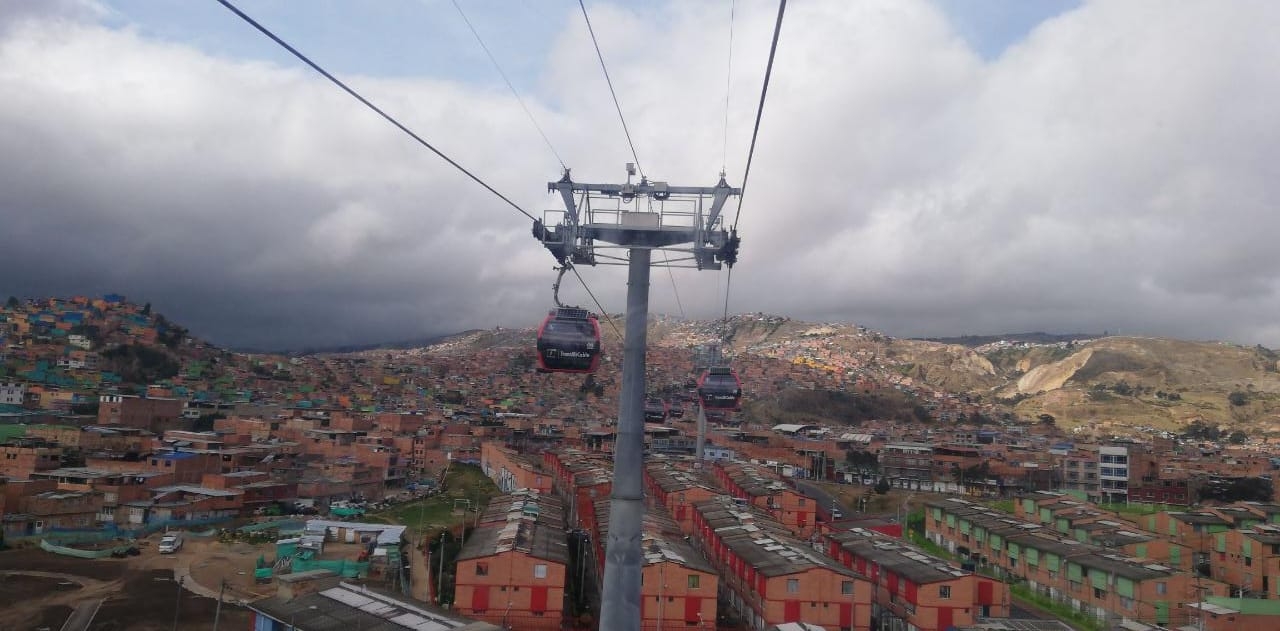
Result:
882,487
12,303
1241,489
1046,419
1238,398
1238,437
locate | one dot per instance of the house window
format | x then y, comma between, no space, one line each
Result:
1099,593
1126,602
802,501
540,570
944,591
482,569
1162,588
695,581
846,588
793,586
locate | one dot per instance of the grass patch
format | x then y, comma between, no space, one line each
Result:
1003,505
463,482
8,432
1140,509
931,548
1059,610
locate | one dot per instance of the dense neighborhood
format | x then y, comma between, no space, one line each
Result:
941,511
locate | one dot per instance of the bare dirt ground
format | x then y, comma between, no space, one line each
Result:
39,589
210,563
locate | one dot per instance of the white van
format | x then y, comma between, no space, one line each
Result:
169,544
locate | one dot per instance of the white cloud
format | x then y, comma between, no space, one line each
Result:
1114,170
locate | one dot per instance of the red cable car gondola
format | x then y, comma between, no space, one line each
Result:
720,389
569,341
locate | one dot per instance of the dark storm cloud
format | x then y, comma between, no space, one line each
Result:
1113,171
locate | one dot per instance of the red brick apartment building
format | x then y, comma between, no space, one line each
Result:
677,586
511,471
1113,588
773,578
677,490
764,489
20,458
156,415
913,588
580,479
260,489
187,467
38,509
117,488
511,571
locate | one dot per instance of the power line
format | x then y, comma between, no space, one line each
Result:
728,81
598,305
509,85
764,90
370,105
616,105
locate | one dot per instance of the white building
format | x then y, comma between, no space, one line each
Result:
1113,473
12,393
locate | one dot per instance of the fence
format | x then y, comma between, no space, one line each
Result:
112,532
285,526
342,567
82,554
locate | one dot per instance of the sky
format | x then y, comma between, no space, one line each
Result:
924,167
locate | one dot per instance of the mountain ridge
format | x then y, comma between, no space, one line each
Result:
1097,384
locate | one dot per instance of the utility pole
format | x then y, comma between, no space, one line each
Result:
440,579
702,435
177,603
217,612
635,220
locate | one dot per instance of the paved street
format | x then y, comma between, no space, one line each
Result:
83,615
824,499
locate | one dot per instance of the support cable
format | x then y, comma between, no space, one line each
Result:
370,105
728,281
667,264
728,83
519,100
764,91
555,288
616,105
604,313
755,133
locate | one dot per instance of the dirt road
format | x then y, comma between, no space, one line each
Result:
39,589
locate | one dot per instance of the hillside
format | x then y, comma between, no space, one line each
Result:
1155,382
799,371
1107,383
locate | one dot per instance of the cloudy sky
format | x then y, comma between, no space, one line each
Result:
924,167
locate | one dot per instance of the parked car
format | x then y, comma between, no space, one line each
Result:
170,544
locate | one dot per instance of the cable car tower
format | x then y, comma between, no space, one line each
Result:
623,224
